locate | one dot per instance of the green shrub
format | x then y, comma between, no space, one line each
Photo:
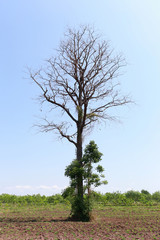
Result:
156,196
117,198
68,194
55,199
146,196
134,195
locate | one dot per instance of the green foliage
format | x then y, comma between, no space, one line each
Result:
146,197
91,177
118,198
130,198
90,157
35,199
85,168
68,192
156,196
134,195
81,210
55,199
91,153
145,192
73,171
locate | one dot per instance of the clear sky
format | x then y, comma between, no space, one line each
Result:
32,163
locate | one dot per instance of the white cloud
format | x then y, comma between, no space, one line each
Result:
49,187
28,189
23,187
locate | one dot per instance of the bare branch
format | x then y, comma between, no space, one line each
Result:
81,81
60,128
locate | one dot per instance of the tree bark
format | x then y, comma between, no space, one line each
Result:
79,140
79,158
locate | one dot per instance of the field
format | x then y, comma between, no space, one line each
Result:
50,222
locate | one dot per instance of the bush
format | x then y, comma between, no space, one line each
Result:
156,196
68,193
145,192
118,198
134,195
55,199
146,196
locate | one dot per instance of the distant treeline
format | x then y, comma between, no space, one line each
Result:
129,198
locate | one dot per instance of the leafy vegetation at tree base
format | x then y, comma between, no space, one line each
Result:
91,177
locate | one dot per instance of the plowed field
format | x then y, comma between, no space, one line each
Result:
50,222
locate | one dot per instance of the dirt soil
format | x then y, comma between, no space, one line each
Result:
110,223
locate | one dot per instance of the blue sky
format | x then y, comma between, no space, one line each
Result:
33,162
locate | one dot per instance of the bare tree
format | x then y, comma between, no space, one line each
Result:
80,81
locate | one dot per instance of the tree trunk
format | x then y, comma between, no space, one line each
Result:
79,142
79,208
79,158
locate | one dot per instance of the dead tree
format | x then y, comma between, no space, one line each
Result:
81,83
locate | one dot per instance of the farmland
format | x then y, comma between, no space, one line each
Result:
50,221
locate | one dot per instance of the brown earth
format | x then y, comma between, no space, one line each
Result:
110,223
